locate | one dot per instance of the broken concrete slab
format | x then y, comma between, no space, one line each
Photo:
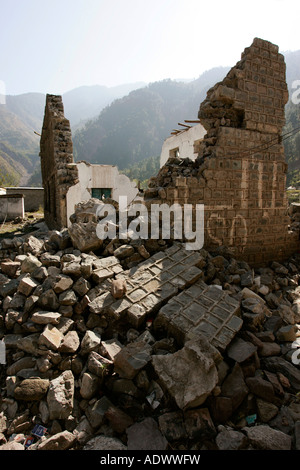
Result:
201,310
149,285
196,362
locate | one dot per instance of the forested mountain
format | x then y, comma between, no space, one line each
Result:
134,127
21,120
19,146
124,126
86,102
291,132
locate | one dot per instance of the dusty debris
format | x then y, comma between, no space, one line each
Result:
101,365
200,351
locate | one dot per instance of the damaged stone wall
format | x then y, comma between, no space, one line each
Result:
240,172
59,172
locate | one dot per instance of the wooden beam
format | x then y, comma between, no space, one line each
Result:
184,125
195,122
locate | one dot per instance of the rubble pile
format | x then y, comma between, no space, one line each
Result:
184,350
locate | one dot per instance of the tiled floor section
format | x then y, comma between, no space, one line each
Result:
169,285
201,310
151,284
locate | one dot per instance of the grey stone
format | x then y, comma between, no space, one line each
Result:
84,236
240,350
119,421
27,286
266,410
60,441
12,445
265,438
28,344
98,364
104,443
23,363
229,439
62,284
60,397
136,315
110,348
49,260
172,426
195,360
72,269
51,337
145,435
43,317
70,343
96,413
198,424
131,359
234,387
90,342
101,303
48,300
123,251
67,297
89,385
30,263
278,364
81,286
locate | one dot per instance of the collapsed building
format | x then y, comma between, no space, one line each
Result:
240,171
183,142
65,182
233,163
149,346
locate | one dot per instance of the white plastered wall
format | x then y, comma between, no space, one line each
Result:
98,176
184,141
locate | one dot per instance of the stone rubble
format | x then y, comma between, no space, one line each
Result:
176,349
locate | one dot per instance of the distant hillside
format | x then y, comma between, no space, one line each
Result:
134,127
19,146
21,117
87,102
15,167
292,114
124,125
142,171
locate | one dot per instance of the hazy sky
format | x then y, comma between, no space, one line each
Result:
56,45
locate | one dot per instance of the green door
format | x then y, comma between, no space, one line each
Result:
99,192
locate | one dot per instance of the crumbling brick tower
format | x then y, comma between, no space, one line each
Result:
240,173
58,169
